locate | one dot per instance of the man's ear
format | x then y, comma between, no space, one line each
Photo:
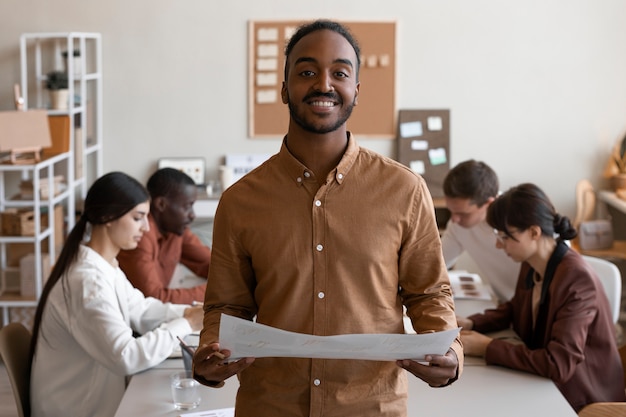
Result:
159,203
283,93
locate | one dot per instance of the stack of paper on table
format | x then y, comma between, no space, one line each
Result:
469,286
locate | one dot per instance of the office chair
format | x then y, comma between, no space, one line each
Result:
15,350
603,410
622,355
586,210
611,280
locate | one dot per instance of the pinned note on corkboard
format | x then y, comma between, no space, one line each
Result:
424,145
374,115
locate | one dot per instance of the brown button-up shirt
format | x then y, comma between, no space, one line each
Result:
342,258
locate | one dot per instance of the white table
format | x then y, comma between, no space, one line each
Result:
481,391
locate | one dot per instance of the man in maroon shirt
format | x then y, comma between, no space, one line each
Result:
169,242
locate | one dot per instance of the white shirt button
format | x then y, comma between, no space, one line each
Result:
317,382
340,176
319,248
307,174
318,203
320,294
299,179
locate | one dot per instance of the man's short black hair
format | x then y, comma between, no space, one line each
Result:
167,181
323,24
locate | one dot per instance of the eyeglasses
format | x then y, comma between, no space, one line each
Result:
502,237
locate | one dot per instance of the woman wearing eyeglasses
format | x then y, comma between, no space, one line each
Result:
559,309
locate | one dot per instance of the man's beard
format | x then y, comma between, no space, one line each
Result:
320,128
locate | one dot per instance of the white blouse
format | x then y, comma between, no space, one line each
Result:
86,346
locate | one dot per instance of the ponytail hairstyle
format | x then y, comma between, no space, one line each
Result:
527,205
109,198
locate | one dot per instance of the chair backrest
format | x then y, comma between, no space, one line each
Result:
611,280
603,410
15,350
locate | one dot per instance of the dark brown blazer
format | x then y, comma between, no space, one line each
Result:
574,340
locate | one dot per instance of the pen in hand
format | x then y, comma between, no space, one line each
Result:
191,351
185,346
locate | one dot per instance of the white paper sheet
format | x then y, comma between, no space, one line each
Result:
222,412
247,339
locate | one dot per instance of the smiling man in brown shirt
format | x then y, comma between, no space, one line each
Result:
326,238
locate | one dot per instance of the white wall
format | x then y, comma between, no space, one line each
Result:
536,88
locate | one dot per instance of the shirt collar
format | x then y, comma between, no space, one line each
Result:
300,173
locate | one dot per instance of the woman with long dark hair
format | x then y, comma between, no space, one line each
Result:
559,310
92,328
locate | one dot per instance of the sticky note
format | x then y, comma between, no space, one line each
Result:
267,50
371,61
435,123
289,31
410,129
266,64
266,96
419,145
267,34
418,167
264,79
437,156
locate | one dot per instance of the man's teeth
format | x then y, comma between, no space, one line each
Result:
323,103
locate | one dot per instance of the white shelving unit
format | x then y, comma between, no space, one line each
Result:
41,53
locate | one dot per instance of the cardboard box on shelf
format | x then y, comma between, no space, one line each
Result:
21,222
16,251
59,135
27,273
27,191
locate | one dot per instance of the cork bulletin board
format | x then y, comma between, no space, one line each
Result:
373,116
424,145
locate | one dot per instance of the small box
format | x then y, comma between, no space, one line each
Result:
21,222
18,222
27,191
27,273
59,135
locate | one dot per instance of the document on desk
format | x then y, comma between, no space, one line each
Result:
222,412
467,285
247,339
